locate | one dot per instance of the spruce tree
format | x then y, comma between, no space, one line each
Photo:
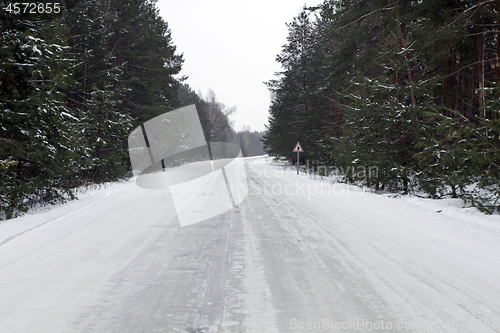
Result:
33,115
101,127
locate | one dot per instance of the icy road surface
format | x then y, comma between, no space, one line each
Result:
298,255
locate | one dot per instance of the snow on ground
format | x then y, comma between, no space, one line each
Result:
297,255
41,215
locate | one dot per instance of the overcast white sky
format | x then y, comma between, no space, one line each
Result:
231,47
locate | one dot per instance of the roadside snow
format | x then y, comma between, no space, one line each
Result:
34,218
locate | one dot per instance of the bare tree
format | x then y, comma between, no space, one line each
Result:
218,116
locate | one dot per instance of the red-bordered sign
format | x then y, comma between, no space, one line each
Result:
298,148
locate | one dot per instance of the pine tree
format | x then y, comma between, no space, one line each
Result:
296,111
140,42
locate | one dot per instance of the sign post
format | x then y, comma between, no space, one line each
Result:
298,149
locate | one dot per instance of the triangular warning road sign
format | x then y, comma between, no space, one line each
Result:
298,148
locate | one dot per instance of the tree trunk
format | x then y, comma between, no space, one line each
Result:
406,53
459,85
304,84
480,57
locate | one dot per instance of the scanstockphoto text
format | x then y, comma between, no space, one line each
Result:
380,325
297,188
268,185
356,172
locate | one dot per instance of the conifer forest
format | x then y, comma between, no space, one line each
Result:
398,95
408,89
76,78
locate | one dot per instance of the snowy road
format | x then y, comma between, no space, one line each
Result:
298,255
